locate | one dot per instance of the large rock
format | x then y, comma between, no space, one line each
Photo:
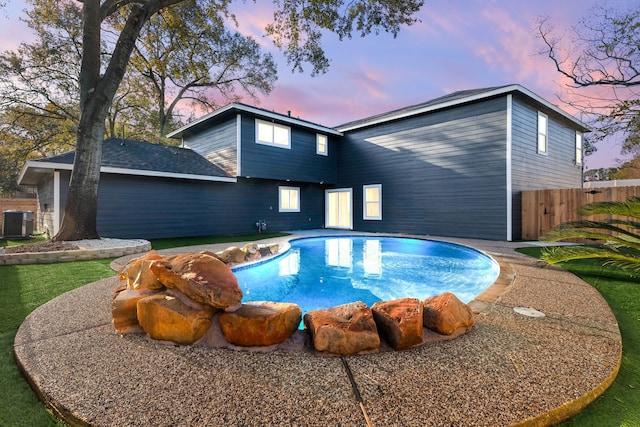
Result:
124,309
345,329
201,277
261,323
232,255
445,313
399,322
137,273
165,317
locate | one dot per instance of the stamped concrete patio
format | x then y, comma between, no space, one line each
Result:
510,369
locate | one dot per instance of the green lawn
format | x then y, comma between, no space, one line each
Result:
25,287
620,404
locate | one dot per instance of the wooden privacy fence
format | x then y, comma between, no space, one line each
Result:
544,209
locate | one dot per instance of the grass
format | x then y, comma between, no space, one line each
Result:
25,287
22,289
620,404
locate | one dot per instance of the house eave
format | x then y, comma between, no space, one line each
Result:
455,102
179,133
33,169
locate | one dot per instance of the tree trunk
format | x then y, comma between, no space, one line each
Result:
96,96
81,210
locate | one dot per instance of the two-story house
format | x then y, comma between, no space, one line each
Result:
453,166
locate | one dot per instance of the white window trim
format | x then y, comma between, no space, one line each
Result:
319,136
579,148
364,202
273,126
546,133
288,189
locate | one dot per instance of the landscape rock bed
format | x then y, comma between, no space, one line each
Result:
191,297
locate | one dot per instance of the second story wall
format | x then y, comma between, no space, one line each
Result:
297,162
218,144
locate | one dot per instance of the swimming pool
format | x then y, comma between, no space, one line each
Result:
322,272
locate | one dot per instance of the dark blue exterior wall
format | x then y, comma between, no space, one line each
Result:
300,163
218,144
142,207
442,174
533,171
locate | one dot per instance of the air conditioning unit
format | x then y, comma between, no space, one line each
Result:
17,224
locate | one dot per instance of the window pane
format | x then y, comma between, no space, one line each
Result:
542,133
321,144
293,199
280,135
373,209
372,197
542,143
578,148
289,199
372,194
265,132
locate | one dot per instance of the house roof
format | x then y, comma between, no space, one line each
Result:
130,157
455,99
236,107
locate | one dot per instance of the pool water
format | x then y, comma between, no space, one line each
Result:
323,272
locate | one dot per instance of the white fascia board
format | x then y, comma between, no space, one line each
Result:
125,171
140,172
258,112
452,103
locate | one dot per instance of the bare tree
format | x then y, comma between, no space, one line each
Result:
602,64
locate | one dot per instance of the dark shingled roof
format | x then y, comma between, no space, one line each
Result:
455,96
136,155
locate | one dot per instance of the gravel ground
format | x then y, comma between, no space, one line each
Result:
508,369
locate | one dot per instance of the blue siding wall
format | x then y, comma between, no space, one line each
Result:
141,207
218,144
533,171
300,163
442,174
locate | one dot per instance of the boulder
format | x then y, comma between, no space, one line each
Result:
345,329
445,313
137,273
251,252
261,323
399,322
124,311
232,255
165,317
201,277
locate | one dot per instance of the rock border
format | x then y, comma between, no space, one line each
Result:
174,281
128,247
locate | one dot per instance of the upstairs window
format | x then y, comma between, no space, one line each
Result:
543,128
289,199
578,148
322,145
372,202
273,134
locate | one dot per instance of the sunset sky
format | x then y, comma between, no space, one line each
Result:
458,45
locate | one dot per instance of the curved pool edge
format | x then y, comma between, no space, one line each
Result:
55,371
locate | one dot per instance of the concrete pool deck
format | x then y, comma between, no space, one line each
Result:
510,369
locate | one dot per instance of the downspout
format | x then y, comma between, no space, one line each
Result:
238,145
509,183
56,202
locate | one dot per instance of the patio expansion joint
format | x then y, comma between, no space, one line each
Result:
28,342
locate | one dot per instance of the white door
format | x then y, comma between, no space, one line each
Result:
338,209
